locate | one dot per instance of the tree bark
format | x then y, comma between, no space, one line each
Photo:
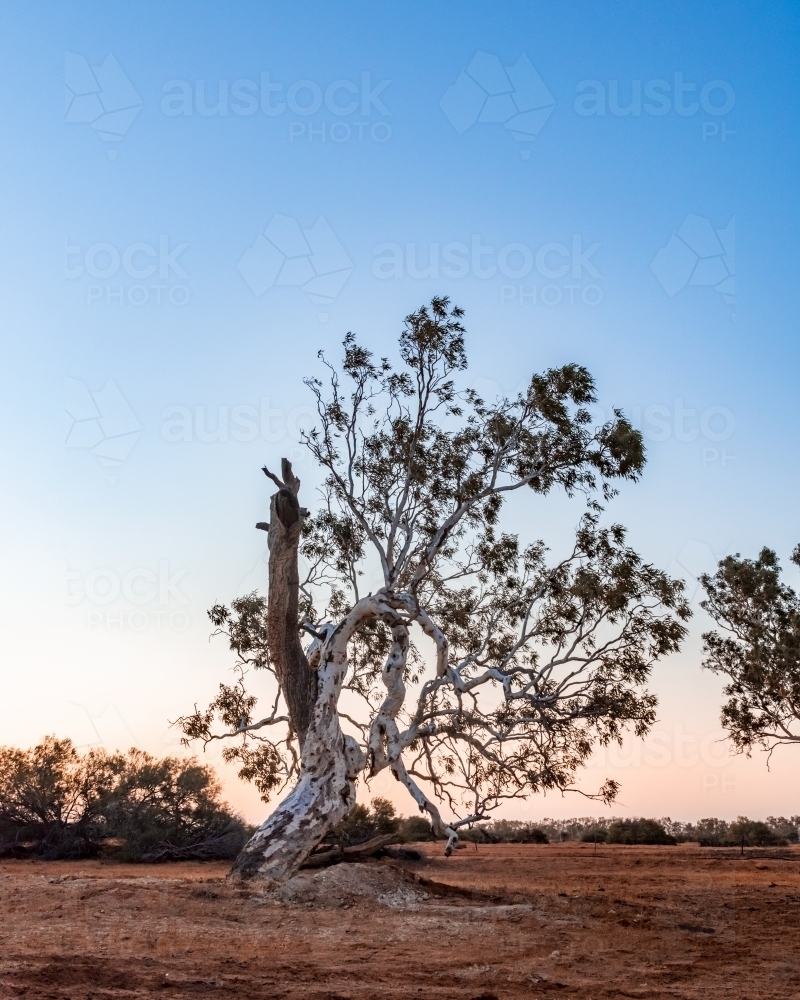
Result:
329,760
330,763
323,795
297,680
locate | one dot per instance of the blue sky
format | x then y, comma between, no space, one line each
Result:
143,259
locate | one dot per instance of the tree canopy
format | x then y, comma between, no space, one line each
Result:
757,649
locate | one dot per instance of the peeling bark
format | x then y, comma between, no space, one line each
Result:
384,736
385,742
330,763
323,795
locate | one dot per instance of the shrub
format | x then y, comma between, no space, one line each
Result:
529,835
355,828
754,833
56,803
169,810
51,799
597,835
776,832
708,832
572,829
786,829
638,831
384,817
414,828
362,824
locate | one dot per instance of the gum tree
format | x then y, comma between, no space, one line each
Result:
480,670
757,649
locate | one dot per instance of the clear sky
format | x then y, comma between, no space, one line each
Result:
223,190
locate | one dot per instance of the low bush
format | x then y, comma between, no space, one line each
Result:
596,836
362,824
56,803
753,833
710,831
783,828
414,828
638,831
168,810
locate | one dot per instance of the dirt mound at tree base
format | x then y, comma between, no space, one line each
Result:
381,882
348,884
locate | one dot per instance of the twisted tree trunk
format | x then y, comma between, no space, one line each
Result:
323,795
329,760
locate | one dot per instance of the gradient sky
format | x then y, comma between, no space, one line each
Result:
605,239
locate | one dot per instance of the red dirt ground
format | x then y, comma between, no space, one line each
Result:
542,921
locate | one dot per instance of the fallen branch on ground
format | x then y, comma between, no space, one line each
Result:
358,852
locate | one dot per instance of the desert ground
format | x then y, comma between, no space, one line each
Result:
499,921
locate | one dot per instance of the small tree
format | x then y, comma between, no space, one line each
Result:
531,663
758,649
52,798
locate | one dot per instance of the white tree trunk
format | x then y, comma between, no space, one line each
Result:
323,795
385,740
330,763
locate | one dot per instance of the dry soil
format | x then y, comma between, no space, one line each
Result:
502,921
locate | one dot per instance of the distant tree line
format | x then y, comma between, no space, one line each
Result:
711,832
56,803
363,823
